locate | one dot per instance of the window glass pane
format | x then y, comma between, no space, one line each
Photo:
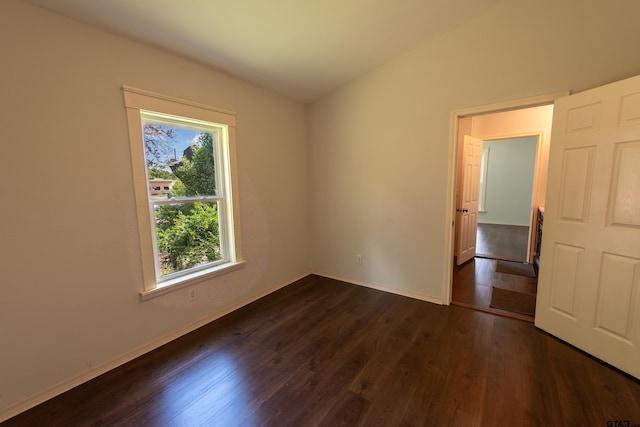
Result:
188,235
180,160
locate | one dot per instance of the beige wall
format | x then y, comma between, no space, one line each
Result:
530,121
377,152
380,145
516,123
69,260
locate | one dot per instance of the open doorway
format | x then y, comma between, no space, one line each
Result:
484,283
505,198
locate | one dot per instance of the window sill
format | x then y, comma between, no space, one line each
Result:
190,279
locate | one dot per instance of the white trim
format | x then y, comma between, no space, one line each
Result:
380,287
535,186
484,165
516,104
139,99
77,380
141,104
190,279
503,223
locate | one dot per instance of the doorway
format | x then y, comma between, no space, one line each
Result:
481,284
473,284
498,277
505,198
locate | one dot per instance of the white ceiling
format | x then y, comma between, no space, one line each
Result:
300,48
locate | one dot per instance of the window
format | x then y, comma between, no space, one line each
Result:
182,156
483,180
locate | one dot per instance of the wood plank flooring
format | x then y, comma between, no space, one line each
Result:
473,282
326,353
498,241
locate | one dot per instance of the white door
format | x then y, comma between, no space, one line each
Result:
589,282
467,203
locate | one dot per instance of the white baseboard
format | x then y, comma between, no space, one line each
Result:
75,381
502,223
381,287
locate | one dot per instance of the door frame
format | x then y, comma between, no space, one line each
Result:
535,185
534,101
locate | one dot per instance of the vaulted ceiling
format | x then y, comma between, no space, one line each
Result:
300,48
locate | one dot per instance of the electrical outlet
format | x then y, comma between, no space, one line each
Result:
358,259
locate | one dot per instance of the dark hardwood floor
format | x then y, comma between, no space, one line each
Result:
473,283
324,352
508,242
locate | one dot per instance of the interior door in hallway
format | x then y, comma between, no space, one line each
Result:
467,205
589,282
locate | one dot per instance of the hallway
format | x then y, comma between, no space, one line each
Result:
473,281
473,284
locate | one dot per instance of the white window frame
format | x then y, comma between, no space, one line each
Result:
484,165
140,103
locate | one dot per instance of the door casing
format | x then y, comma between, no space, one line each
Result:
538,164
455,116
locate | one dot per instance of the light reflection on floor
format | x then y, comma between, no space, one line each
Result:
196,395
